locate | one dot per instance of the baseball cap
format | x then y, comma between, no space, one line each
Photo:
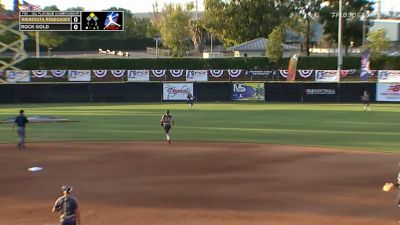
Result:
66,188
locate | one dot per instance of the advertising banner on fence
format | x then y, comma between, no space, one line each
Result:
248,91
196,75
79,75
319,91
14,76
386,92
138,75
326,76
260,73
177,91
389,76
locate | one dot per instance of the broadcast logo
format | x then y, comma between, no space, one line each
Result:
111,22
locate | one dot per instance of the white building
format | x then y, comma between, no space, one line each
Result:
392,28
257,48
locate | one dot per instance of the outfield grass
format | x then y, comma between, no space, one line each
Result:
341,125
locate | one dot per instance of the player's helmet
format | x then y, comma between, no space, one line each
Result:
66,188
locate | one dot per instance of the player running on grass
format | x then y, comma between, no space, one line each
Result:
189,100
167,122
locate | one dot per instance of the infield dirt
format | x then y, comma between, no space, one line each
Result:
192,183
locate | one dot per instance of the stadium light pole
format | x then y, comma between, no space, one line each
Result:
340,59
37,44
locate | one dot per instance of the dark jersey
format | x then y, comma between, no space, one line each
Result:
365,97
67,207
21,121
166,119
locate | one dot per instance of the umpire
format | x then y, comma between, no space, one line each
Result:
21,121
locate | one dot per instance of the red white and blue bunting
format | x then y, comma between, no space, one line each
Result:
39,73
234,73
118,73
283,73
216,73
305,73
159,73
100,73
176,73
58,73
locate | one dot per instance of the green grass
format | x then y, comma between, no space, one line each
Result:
335,125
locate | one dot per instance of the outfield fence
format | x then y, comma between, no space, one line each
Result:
39,86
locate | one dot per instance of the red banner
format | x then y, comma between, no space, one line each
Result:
292,69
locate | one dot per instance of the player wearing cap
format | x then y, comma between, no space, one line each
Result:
166,122
67,207
190,100
20,122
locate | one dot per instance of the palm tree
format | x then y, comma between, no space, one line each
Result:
198,33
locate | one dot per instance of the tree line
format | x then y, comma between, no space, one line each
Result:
232,22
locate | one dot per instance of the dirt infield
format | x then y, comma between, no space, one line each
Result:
153,183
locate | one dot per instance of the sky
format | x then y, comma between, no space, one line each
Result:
141,5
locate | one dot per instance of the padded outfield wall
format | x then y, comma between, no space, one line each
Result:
203,91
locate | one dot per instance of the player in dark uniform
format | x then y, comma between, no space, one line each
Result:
67,207
21,121
190,100
365,101
167,122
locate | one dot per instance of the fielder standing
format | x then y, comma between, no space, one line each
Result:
167,122
21,121
365,101
67,207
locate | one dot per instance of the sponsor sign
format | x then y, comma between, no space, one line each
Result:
315,91
260,73
386,92
138,75
79,75
14,76
326,76
389,76
177,91
196,75
248,91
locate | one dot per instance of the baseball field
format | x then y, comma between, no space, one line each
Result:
228,164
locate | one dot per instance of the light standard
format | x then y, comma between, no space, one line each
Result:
364,29
339,64
157,40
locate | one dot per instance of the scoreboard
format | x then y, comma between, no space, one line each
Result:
71,21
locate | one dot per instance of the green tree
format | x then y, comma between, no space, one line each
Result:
139,27
51,39
237,21
352,24
275,43
50,8
78,8
378,43
198,35
174,27
307,10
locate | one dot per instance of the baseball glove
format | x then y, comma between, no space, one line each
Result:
387,187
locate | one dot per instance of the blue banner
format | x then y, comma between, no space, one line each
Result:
365,71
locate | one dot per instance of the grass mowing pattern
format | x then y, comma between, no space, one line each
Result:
341,125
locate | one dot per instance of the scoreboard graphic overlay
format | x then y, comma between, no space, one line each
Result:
71,21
